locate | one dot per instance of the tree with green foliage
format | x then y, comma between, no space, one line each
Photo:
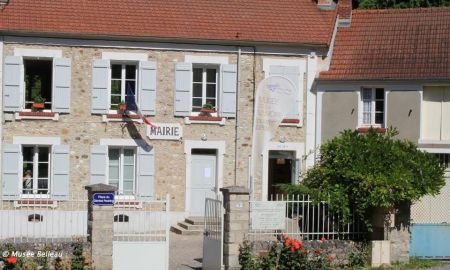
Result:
362,172
382,4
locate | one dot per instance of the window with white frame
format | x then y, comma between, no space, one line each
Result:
372,106
204,86
36,169
38,82
123,86
122,169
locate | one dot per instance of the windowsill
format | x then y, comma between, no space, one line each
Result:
41,202
439,142
36,115
291,122
377,129
121,117
205,120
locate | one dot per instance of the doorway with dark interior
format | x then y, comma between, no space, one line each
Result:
283,169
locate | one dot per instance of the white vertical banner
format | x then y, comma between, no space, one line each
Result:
275,97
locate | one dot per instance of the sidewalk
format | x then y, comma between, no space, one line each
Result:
186,252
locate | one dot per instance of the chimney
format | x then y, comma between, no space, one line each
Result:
344,10
326,4
3,4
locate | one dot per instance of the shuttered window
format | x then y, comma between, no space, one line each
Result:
36,169
29,80
122,169
372,106
204,87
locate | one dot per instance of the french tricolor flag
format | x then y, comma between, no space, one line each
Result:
130,101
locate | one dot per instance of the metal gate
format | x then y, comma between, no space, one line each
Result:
430,226
213,235
141,235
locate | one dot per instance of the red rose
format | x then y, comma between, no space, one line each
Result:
297,244
292,249
329,258
323,239
317,251
11,260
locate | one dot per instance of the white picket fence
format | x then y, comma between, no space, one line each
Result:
43,220
304,219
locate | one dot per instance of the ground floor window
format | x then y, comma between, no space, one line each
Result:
36,169
122,169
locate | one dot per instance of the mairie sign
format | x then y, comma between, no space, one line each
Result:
103,199
165,131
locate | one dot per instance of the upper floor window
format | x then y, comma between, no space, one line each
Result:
123,86
372,106
204,87
38,82
36,75
36,169
198,83
131,82
122,169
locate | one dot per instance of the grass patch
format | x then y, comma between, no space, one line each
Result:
414,263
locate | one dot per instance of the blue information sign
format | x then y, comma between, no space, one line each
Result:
103,199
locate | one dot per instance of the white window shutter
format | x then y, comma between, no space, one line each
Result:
62,84
147,91
12,77
146,173
291,73
183,89
227,106
61,170
98,162
11,174
100,86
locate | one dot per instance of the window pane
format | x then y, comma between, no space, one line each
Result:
114,183
130,72
367,93
128,172
128,156
366,118
367,106
116,71
197,90
130,98
42,186
114,101
43,154
211,75
28,153
210,90
212,101
128,187
113,172
43,170
379,106
379,118
379,93
198,73
116,86
197,102
114,155
27,181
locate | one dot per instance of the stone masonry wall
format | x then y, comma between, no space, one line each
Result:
80,129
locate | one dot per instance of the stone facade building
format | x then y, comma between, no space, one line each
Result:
165,61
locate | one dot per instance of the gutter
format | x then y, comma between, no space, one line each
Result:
223,42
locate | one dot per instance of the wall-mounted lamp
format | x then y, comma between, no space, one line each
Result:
282,139
204,137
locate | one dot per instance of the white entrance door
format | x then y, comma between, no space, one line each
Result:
203,182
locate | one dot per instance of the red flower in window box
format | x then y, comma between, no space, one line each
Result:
207,109
122,106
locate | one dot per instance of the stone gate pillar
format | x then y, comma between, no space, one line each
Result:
100,225
236,223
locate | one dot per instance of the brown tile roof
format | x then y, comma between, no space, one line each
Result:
393,44
285,21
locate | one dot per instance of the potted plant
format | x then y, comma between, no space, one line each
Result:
207,108
122,106
38,102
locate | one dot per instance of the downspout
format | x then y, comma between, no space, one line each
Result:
1,111
238,90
